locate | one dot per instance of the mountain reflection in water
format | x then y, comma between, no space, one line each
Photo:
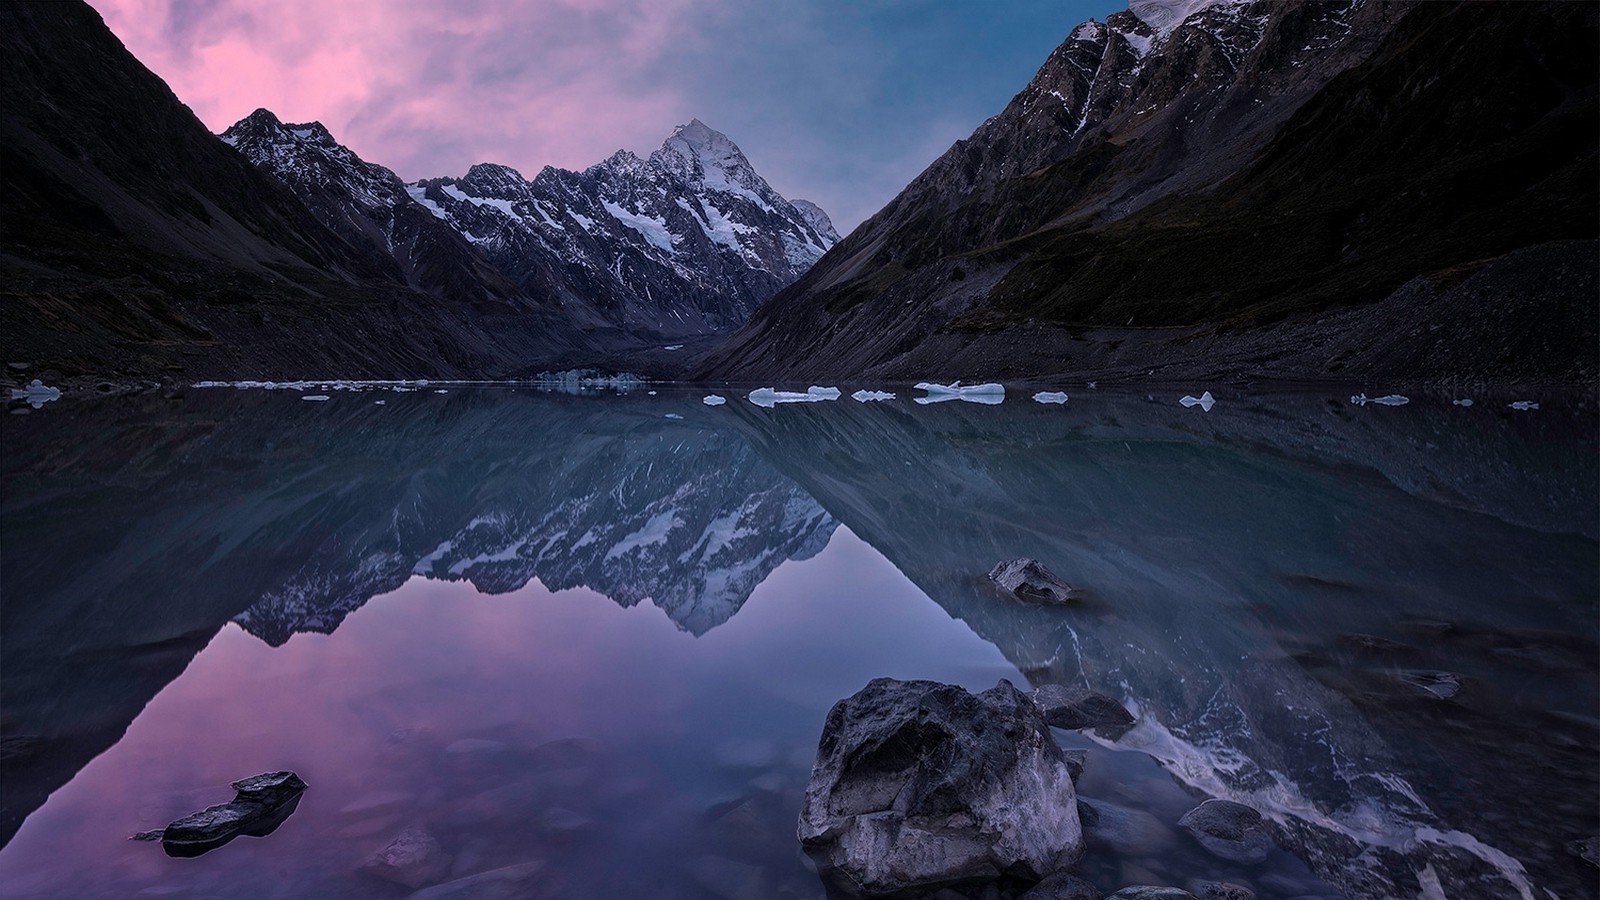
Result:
1377,626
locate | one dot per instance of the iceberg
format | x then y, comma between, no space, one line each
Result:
315,397
37,393
989,394
768,398
865,396
713,400
1386,400
1205,401
1524,405
1050,397
1465,401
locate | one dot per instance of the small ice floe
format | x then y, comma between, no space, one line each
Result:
1050,397
768,398
1524,405
989,394
865,396
1093,385
315,397
674,416
713,400
380,402
1205,401
650,393
37,393
441,391
1362,399
673,347
1464,401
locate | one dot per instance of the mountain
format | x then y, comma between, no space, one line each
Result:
1221,188
684,244
133,243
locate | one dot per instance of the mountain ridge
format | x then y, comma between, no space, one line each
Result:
1162,181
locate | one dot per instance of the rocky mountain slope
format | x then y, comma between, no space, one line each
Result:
1226,169
684,244
134,243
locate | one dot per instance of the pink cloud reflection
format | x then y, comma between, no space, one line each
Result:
422,87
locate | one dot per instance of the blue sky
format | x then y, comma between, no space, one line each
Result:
840,103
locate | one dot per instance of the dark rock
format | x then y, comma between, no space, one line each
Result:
261,803
1076,760
1220,890
1030,581
1151,892
1088,816
1586,849
918,785
413,859
1062,886
146,835
1075,708
1230,830
518,882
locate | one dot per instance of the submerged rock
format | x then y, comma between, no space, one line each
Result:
1030,581
1586,849
919,784
1230,830
1075,708
518,882
260,804
412,859
1063,887
1151,892
1220,890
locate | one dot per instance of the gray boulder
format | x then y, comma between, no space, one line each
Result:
1074,708
1030,581
1232,831
1063,887
1220,890
919,784
1151,892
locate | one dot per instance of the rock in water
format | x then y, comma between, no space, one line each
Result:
1063,887
919,784
413,859
1029,580
1076,708
260,804
1151,892
1230,830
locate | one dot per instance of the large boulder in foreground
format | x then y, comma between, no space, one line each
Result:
919,784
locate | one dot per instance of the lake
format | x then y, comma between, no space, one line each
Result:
601,631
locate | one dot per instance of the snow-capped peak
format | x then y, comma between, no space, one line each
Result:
1165,15
817,219
698,153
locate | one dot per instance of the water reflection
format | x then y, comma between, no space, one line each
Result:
1378,628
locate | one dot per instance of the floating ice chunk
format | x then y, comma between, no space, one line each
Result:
37,393
673,347
315,397
674,416
1524,405
379,402
713,400
441,391
1093,385
1205,401
1464,401
1362,399
1050,397
865,396
768,398
989,394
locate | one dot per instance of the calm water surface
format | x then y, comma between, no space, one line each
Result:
602,632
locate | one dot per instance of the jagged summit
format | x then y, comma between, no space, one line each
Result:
1166,15
687,242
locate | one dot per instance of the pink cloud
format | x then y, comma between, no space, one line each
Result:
422,87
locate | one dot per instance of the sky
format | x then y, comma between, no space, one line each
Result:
837,102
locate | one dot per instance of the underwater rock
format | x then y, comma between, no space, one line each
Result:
412,859
1076,708
1232,831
